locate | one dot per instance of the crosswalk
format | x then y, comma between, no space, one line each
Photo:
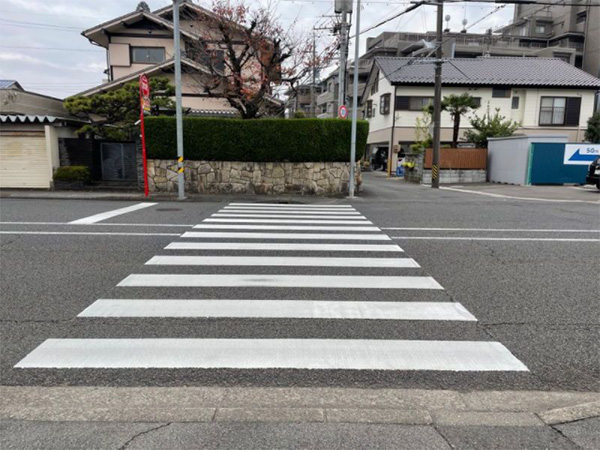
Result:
325,248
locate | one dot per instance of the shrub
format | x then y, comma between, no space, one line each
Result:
299,115
592,133
73,173
261,140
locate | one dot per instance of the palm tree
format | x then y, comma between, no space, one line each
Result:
457,106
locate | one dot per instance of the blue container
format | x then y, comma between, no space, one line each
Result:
546,166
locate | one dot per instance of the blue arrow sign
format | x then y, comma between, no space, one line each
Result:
577,156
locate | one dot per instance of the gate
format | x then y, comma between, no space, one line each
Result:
118,161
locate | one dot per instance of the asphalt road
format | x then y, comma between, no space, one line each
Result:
534,292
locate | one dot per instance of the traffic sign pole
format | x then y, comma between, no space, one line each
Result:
144,106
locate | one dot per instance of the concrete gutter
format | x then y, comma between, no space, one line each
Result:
139,196
335,405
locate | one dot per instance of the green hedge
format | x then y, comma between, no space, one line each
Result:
72,173
315,140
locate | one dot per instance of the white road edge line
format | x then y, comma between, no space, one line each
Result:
464,238
108,214
327,354
282,309
500,230
110,224
269,261
310,236
89,233
287,281
489,194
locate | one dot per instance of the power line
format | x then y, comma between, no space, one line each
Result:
21,13
53,48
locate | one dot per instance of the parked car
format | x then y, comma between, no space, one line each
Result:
593,175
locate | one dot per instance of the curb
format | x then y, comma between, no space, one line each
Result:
297,405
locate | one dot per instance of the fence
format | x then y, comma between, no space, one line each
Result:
459,158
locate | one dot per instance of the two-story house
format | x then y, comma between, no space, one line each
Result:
142,42
546,96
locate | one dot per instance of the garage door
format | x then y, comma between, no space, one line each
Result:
23,160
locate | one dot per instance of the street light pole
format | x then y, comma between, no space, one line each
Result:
178,102
354,104
437,99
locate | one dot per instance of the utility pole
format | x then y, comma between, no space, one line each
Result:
437,99
178,103
354,104
313,100
343,59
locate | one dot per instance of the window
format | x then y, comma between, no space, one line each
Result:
418,103
515,103
566,57
369,108
477,101
540,29
384,104
209,57
375,86
147,55
552,110
581,17
500,93
560,111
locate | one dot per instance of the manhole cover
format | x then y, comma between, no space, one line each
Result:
167,209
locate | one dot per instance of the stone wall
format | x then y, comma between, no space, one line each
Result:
447,176
237,177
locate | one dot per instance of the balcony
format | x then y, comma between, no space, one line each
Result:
326,97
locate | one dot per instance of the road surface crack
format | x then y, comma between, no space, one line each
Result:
141,433
442,436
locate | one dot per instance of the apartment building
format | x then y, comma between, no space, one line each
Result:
570,33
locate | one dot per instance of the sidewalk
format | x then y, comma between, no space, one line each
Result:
206,404
139,196
186,417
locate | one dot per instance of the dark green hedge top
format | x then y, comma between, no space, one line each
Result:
306,140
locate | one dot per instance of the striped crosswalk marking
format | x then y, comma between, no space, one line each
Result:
312,225
289,281
284,227
310,236
289,205
278,261
290,309
321,221
282,247
294,212
348,354
289,216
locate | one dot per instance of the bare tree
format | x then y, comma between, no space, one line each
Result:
247,52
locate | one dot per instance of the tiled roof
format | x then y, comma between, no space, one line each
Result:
147,70
8,84
23,118
488,71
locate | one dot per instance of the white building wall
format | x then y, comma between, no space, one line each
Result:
527,113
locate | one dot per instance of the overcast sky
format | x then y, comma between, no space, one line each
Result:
42,48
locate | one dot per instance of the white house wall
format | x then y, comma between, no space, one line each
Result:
527,113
